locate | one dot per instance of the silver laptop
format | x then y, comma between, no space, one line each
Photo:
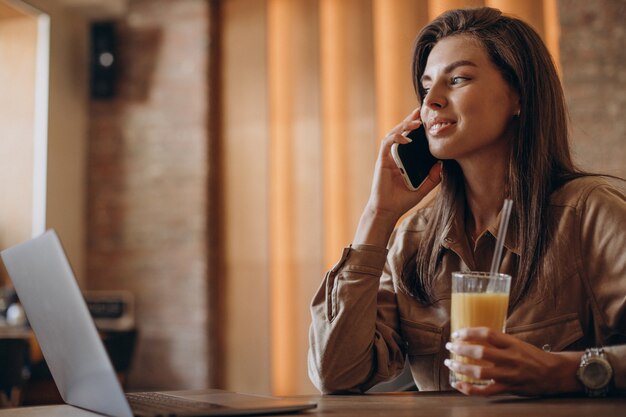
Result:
82,371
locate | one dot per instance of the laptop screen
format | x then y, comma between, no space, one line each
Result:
60,319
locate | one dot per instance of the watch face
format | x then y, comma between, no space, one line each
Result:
596,375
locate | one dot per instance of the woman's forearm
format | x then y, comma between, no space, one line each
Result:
565,372
374,228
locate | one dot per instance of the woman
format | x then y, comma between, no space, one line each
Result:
494,113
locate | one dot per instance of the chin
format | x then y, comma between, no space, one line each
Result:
441,152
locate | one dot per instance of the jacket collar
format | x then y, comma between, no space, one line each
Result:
510,241
454,234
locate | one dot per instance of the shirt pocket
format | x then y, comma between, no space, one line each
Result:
424,344
420,338
554,334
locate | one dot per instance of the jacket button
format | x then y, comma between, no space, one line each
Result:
546,348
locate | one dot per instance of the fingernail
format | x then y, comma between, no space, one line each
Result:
447,362
455,335
406,135
449,346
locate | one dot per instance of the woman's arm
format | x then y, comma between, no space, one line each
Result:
354,338
603,255
354,341
389,197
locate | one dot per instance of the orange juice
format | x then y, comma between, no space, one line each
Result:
477,310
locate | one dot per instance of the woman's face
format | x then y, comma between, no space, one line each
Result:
468,107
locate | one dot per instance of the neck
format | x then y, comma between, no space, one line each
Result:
484,191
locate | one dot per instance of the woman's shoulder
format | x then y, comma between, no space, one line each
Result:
415,221
407,234
588,189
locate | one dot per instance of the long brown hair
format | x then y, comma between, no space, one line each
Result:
539,160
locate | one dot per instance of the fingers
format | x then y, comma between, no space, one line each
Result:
479,371
482,371
489,358
480,390
491,348
480,352
483,335
512,365
411,122
431,181
413,116
396,135
434,176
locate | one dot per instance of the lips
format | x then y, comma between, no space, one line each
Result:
438,125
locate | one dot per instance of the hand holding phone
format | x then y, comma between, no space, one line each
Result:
414,159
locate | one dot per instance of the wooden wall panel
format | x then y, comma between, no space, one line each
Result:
436,7
396,24
349,118
295,185
245,135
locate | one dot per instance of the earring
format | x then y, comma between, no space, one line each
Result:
518,112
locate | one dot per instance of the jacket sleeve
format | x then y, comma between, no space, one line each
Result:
603,255
354,341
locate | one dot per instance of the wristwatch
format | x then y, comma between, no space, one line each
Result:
595,372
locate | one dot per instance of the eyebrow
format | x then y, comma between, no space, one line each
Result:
451,67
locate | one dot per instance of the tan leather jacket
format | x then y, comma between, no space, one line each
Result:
364,325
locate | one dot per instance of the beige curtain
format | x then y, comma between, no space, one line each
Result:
309,88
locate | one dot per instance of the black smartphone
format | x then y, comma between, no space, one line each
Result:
414,159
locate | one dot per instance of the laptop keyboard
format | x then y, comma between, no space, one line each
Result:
157,404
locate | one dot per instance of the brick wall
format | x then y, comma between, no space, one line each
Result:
148,189
593,57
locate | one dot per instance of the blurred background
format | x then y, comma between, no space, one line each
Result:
204,161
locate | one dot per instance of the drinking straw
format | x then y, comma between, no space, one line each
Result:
504,225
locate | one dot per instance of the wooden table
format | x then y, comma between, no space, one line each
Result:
457,405
412,405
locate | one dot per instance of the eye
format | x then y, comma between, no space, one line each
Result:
458,80
425,91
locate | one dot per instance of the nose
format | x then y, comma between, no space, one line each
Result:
435,99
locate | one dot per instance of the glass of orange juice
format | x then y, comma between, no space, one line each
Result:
479,299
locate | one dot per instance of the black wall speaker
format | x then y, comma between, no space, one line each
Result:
103,60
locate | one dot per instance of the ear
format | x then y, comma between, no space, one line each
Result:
516,104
